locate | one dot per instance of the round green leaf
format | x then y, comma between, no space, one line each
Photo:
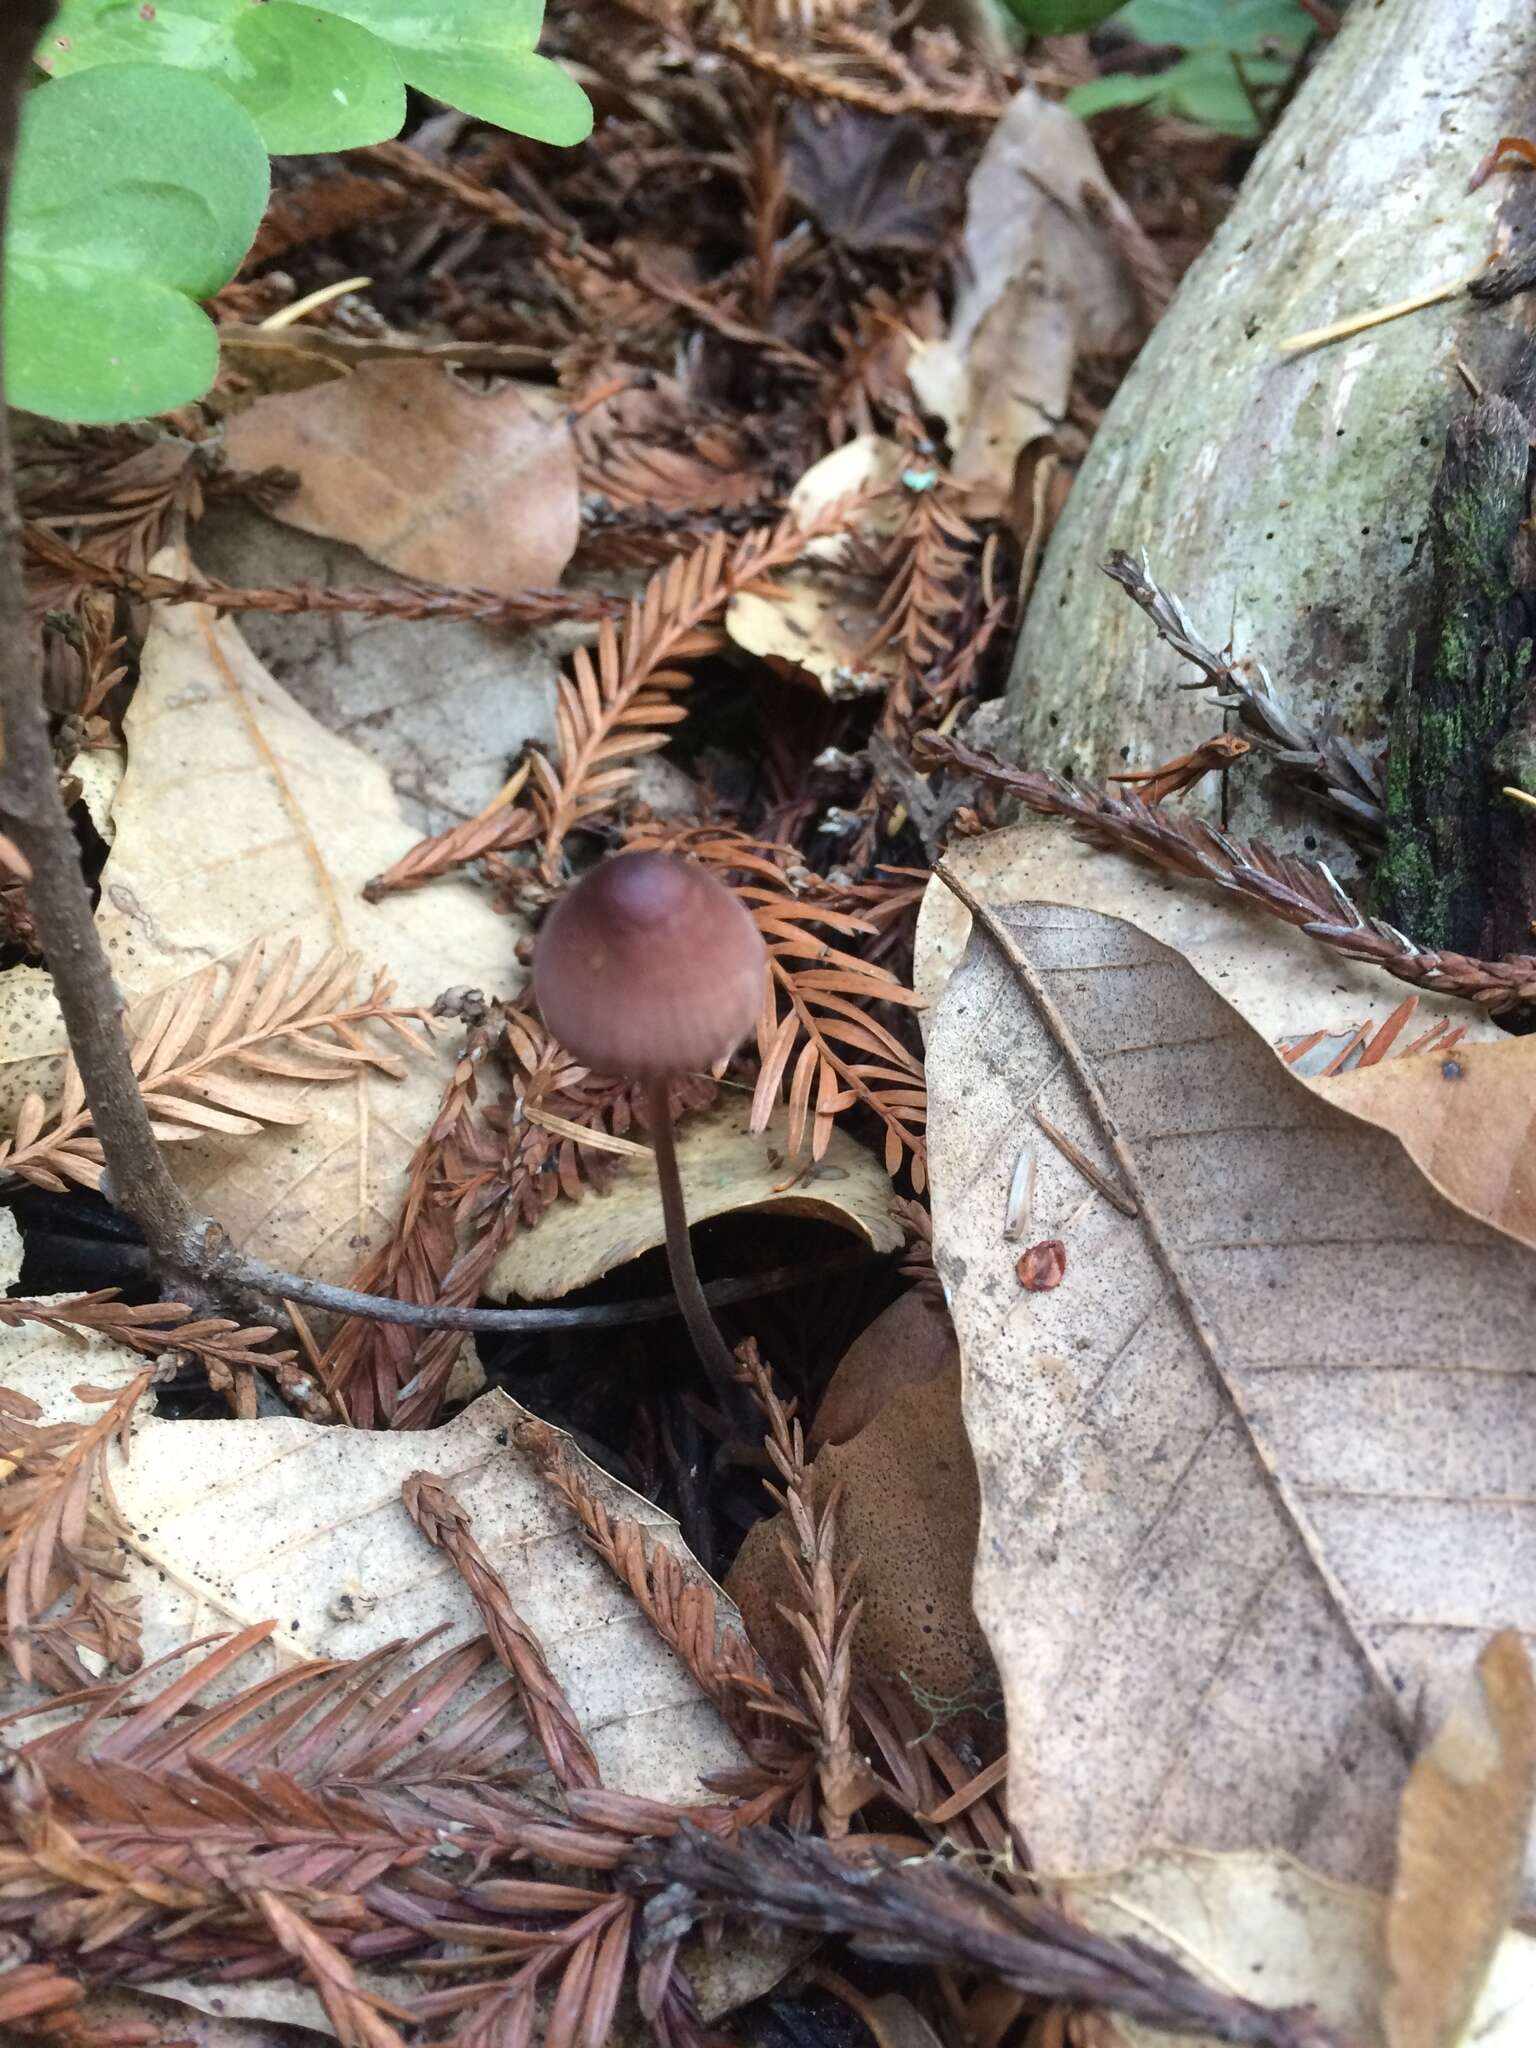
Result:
528,95
84,347
310,79
138,189
316,82
478,55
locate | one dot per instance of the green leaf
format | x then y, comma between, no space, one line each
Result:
1062,17
138,189
1242,25
1204,87
308,78
1114,89
479,56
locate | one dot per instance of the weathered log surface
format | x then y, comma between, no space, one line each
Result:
1284,499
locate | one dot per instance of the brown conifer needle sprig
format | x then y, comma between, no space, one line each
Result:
682,1610
823,1612
152,1327
930,566
149,1837
890,84
57,1540
1333,767
39,2003
620,704
358,2018
1301,892
195,1050
366,1364
938,1912
408,601
479,1175
446,1526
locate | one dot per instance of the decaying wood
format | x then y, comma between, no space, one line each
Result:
1283,498
1459,865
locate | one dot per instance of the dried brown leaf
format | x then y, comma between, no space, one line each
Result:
424,473
1461,1849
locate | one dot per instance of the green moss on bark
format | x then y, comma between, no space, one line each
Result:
1468,693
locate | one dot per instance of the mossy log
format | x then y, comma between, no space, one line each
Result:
1285,499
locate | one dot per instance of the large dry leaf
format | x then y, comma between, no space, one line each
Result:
1044,285
725,1167
1262,1926
1255,1477
424,472
240,815
235,1522
445,705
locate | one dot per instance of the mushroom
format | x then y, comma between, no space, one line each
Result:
648,968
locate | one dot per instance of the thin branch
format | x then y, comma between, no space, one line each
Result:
1332,767
261,1278
32,812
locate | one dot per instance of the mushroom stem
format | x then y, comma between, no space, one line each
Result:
714,1352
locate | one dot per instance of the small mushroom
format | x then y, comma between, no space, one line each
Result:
649,968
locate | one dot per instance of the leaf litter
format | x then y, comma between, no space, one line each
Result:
467,1838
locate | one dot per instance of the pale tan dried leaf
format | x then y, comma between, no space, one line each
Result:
277,830
726,1168
1249,1919
1044,283
1262,1426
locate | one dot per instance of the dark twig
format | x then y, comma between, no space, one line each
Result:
1332,767
939,1913
32,813
259,1278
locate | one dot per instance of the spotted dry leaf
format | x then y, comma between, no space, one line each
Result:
1252,1479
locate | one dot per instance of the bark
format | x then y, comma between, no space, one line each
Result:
1285,499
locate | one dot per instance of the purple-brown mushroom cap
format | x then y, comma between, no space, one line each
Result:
648,967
